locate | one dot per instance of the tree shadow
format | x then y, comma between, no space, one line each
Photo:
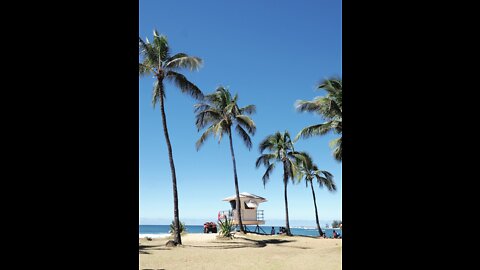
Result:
144,249
245,243
278,241
309,236
297,247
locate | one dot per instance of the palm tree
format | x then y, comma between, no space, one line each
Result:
158,62
280,147
310,171
219,112
330,107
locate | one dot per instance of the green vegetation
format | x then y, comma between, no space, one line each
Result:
330,108
309,171
218,113
156,61
225,227
280,149
182,228
336,223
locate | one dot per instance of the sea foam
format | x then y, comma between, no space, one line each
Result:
151,235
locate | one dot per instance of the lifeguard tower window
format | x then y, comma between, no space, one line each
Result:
233,204
246,206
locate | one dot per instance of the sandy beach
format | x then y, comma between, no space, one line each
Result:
251,251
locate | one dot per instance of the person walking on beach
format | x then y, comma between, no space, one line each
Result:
273,231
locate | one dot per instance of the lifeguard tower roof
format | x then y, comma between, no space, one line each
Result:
245,195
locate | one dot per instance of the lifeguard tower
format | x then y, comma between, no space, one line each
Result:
249,210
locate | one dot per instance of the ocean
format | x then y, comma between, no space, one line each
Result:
156,231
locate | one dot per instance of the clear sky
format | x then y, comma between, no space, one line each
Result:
271,53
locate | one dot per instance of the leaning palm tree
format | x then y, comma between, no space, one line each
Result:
280,147
158,62
309,172
330,107
218,114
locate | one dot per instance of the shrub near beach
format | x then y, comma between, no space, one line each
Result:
183,228
226,228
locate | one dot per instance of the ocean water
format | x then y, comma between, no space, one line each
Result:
156,231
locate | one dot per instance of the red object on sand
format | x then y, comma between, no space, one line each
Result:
209,227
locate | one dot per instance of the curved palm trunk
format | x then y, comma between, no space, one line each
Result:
237,193
316,211
285,182
177,237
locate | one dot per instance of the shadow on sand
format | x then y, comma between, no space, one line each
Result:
144,249
243,243
309,236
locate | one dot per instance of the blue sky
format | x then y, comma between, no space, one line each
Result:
271,53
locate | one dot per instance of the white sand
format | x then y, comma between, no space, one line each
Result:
205,251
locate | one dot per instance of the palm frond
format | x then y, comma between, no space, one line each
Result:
310,131
247,123
266,143
326,181
206,117
184,85
203,138
264,159
249,109
244,136
214,98
288,141
307,161
300,157
229,109
332,86
219,129
182,60
334,109
337,152
161,45
327,175
148,52
201,107
308,106
143,70
222,97
266,176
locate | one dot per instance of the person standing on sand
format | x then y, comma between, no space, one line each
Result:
273,231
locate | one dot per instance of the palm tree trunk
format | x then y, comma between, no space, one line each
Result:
176,219
285,182
316,211
237,193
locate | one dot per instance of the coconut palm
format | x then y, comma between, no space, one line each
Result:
280,149
158,62
330,108
309,172
218,113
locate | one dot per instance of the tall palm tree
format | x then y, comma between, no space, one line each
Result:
330,107
158,62
280,147
219,113
309,172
